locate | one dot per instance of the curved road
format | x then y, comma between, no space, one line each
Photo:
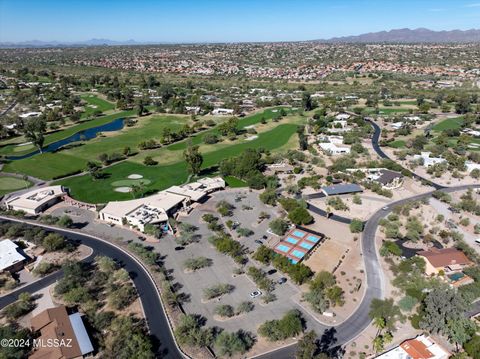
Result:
156,318
360,320
158,322
379,151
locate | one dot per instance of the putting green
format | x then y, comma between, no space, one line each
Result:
131,182
9,184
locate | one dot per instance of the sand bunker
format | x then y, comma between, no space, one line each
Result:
123,189
135,176
251,138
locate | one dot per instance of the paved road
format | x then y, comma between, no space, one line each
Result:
156,319
379,151
360,320
321,212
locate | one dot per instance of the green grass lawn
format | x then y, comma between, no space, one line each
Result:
242,123
145,129
96,103
397,144
386,110
47,165
86,189
234,182
59,135
450,123
10,184
53,165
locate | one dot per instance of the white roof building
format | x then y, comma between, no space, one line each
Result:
342,116
157,208
10,257
339,126
333,149
222,111
30,114
427,160
397,125
422,347
36,201
472,166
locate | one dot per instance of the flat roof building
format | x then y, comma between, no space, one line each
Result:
341,189
36,201
156,209
333,149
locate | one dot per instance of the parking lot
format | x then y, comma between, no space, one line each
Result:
222,269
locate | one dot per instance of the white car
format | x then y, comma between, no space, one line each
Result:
385,208
255,294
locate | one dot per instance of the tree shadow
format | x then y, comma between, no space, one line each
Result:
327,344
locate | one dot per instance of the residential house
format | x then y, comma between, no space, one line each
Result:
446,259
422,347
66,331
11,257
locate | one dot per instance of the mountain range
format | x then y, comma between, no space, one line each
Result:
91,42
420,35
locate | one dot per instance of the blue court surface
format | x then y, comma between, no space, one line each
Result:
291,240
282,248
299,234
313,239
306,245
298,254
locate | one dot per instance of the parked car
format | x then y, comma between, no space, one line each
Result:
179,248
264,236
255,294
272,271
142,238
385,208
282,280
258,241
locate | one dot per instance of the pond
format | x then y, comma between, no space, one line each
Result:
84,135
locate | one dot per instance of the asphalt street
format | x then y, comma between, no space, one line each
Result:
156,318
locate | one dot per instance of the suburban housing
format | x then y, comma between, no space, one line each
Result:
422,347
11,259
55,325
446,260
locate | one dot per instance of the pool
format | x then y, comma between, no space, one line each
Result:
283,248
456,276
291,240
299,234
298,254
306,246
313,239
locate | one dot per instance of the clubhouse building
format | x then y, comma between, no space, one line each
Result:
36,201
156,209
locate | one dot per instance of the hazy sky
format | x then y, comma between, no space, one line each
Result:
225,20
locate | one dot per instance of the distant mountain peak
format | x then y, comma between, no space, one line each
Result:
406,35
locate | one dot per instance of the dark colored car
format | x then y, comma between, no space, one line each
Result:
272,271
258,241
282,280
179,248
